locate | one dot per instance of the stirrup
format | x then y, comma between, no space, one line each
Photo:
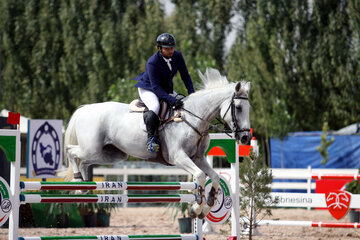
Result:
153,145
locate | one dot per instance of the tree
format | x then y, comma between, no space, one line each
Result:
301,59
255,196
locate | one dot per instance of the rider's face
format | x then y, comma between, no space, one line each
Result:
167,52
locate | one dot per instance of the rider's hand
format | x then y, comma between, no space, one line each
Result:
178,104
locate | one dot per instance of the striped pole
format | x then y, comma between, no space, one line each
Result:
336,176
118,237
309,224
168,186
106,198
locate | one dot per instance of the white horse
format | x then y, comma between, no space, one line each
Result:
104,133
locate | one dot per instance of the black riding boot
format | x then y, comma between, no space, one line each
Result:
152,123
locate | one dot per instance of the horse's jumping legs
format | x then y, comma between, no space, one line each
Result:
183,161
197,207
215,179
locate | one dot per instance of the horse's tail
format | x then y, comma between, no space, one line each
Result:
69,139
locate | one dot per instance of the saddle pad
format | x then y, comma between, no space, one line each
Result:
134,106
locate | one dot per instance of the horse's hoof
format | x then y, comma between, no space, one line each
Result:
211,202
202,215
78,192
76,180
192,214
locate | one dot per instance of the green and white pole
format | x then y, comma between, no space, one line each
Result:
106,198
118,237
158,186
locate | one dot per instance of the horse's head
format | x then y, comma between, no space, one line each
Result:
237,113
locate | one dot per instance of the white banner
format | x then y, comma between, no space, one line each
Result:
44,148
308,200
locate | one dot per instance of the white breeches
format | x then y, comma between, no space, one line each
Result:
150,100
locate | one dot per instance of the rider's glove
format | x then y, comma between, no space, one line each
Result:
178,104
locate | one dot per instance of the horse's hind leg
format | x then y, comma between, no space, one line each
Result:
73,153
215,179
84,169
108,155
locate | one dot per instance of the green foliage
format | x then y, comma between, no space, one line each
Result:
60,54
325,143
302,60
353,186
183,208
301,57
201,28
255,196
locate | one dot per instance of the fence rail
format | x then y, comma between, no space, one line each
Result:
308,174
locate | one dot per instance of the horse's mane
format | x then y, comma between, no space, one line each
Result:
212,79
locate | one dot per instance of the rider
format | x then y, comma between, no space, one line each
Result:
156,83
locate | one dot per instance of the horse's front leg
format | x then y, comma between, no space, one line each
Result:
182,160
215,180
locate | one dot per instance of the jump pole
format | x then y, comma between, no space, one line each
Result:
119,237
166,186
318,224
309,224
319,176
106,198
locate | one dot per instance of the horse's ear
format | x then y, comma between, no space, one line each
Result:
238,87
247,87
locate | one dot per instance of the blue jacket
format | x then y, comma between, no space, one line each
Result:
158,77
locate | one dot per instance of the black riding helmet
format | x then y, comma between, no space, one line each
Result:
166,40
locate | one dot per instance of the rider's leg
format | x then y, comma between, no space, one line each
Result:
152,123
150,100
151,118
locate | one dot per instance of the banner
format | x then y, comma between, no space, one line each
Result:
44,148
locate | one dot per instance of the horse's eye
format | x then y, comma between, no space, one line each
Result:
239,108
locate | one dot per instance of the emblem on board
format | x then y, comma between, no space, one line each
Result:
5,201
221,211
338,203
45,147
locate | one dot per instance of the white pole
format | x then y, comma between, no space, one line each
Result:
125,205
234,183
198,228
210,160
197,222
15,188
255,146
309,183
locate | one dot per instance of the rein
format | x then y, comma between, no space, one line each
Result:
190,125
213,126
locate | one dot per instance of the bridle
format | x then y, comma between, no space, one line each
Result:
233,118
233,115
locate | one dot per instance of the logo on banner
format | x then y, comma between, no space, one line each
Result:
45,150
338,203
222,209
5,201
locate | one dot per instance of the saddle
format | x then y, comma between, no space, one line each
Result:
137,105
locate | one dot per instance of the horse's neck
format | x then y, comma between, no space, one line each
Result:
207,103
